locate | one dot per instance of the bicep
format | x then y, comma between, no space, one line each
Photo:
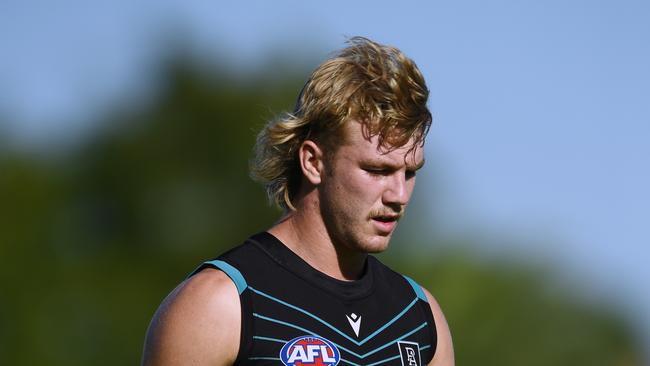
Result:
197,324
444,355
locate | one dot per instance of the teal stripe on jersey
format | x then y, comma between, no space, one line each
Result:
349,362
382,361
417,288
307,332
270,339
231,271
358,343
265,358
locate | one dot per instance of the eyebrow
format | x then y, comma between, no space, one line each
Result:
389,164
420,165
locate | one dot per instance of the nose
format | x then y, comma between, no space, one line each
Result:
398,191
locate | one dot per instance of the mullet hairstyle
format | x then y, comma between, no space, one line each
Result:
373,84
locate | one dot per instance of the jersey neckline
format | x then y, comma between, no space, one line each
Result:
293,263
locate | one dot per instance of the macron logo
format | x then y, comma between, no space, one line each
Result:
355,322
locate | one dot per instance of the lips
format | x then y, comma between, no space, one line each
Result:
386,218
385,224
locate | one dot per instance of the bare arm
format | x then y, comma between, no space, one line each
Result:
445,350
197,324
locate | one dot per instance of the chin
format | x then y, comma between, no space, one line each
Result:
375,245
375,250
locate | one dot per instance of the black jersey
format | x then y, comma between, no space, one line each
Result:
294,315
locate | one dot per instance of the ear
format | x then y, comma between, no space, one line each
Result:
310,157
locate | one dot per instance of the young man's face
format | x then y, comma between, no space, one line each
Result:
365,190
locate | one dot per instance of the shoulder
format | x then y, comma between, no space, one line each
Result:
444,355
201,312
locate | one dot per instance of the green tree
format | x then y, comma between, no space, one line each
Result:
92,240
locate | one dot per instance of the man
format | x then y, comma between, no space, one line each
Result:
307,292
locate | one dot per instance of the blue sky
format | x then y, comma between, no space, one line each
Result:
541,108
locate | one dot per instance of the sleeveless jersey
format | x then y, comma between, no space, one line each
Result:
292,314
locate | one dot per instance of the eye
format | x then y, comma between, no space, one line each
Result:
410,174
377,171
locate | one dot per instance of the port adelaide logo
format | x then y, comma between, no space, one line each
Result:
310,350
409,353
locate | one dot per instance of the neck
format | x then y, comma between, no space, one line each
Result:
304,233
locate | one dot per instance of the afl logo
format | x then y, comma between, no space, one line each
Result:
310,350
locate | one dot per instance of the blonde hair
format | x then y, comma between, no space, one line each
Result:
371,83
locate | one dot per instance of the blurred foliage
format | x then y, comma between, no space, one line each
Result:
92,240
